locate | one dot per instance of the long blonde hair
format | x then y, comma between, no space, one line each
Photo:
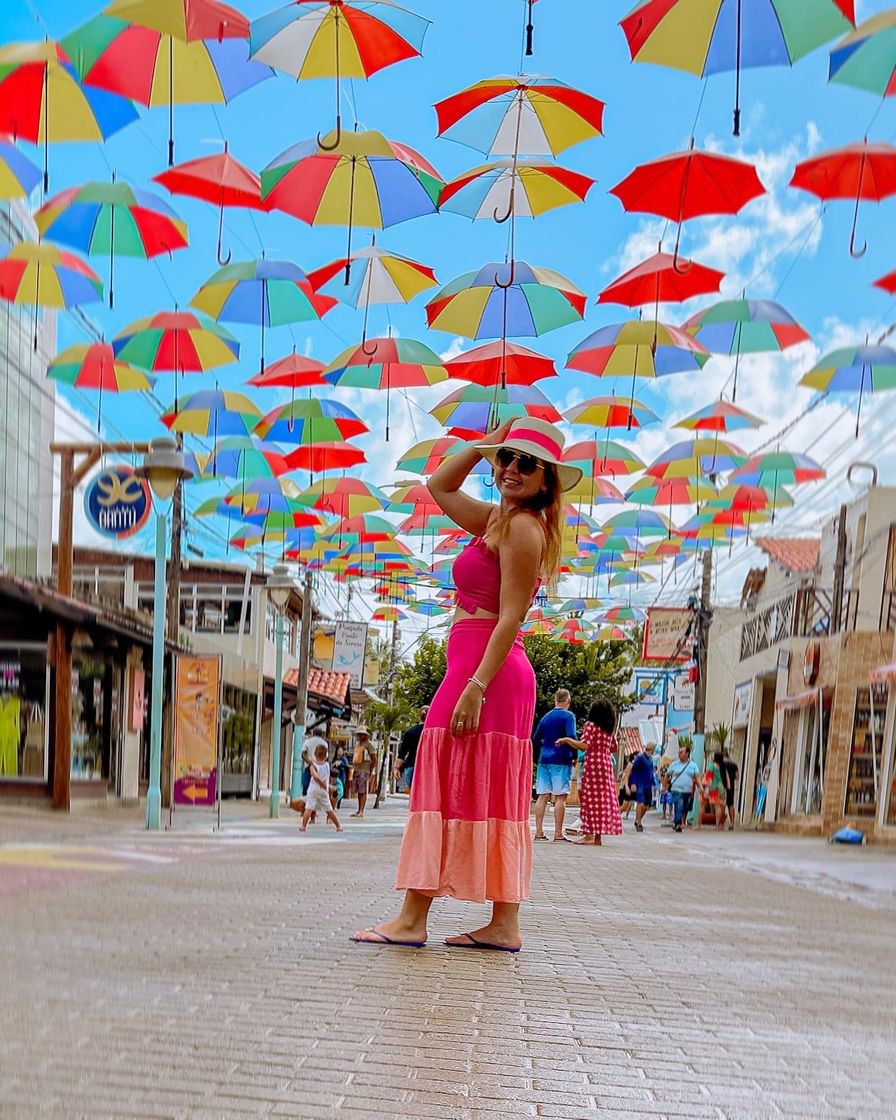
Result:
547,505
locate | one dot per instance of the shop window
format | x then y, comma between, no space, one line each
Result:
814,759
237,738
24,688
866,752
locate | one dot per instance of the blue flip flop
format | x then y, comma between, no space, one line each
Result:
474,944
384,940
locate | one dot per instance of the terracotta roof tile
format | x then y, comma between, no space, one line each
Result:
629,739
323,682
795,554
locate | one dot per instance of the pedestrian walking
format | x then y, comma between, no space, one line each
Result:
731,773
407,752
310,743
639,778
554,773
712,791
683,778
317,799
363,763
468,831
340,768
598,802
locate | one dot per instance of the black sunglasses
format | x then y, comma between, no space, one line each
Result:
525,464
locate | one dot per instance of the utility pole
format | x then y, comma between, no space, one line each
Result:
298,732
839,572
703,620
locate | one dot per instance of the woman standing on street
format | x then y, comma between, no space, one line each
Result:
468,831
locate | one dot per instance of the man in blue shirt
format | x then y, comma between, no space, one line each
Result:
554,763
683,777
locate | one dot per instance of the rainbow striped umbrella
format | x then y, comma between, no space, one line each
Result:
611,412
706,37
855,369
429,608
637,523
610,633
522,113
506,299
213,413
773,469
476,409
43,275
308,422
388,614
739,496
579,604
364,527
514,187
269,293
598,457
670,492
122,52
380,277
43,100
643,348
176,342
94,366
386,363
623,614
866,57
18,175
695,458
344,497
408,497
246,457
361,180
631,578
720,416
573,630
113,218
427,456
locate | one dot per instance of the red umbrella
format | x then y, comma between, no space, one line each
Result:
501,362
319,457
689,184
856,171
662,279
887,283
295,371
219,179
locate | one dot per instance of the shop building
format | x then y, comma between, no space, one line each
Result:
792,670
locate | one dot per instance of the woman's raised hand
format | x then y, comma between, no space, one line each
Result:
498,436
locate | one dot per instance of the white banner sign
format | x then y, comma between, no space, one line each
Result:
683,693
743,701
349,646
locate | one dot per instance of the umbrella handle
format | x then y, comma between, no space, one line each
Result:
221,259
331,147
529,29
369,353
504,218
676,261
853,251
510,279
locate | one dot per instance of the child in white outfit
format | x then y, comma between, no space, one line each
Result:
318,796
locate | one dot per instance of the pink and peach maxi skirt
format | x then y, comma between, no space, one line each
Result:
468,831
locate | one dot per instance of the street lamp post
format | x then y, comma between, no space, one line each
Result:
298,737
280,587
163,467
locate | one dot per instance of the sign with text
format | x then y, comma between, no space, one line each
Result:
349,647
197,722
743,701
117,502
666,634
683,693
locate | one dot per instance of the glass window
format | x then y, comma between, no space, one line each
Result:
24,684
866,752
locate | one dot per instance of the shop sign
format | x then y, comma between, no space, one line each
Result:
683,692
743,701
666,634
197,728
349,648
117,502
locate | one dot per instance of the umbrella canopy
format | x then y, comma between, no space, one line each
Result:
602,457
610,633
308,422
866,57
623,614
720,416
176,342
320,457
366,527
738,496
858,171
855,369
643,348
712,36
378,277
501,363
295,371
94,366
536,115
774,469
611,412
637,523
695,458
426,457
662,278
344,497
122,52
18,175
649,491
44,275
246,457
213,412
506,299
388,614
112,218
521,187
476,409
887,283
43,100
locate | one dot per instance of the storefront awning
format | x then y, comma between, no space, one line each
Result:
800,700
884,673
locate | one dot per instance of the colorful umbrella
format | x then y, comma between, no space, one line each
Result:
662,279
858,369
309,422
773,469
736,496
637,523
506,299
426,457
295,371
176,342
270,293
320,457
744,326
578,605
513,187
219,179
18,175
720,416
213,413
573,630
623,614
94,366
384,363
368,528
604,457
887,283
113,218
381,277
337,39
246,457
861,171
866,57
122,53
42,275
611,633
695,458
344,497
388,614
42,99
503,115
689,184
650,491
501,363
363,179
475,409
611,412
593,490
712,36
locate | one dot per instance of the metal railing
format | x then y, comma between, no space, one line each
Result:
804,613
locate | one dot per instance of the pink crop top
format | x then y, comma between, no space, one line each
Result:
477,578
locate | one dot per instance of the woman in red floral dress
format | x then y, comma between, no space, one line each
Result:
598,800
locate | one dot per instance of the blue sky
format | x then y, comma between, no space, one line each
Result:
780,247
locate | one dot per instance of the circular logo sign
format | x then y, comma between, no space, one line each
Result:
117,502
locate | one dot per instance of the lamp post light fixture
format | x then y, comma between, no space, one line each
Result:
280,586
163,467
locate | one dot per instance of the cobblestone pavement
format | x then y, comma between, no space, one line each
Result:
201,976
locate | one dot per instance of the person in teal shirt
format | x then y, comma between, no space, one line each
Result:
683,778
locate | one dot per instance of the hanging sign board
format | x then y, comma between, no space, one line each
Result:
665,634
743,701
197,728
349,647
117,502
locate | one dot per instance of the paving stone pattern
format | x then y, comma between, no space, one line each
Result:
655,982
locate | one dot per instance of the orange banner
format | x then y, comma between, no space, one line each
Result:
197,719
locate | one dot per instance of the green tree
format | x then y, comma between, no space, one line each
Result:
591,671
